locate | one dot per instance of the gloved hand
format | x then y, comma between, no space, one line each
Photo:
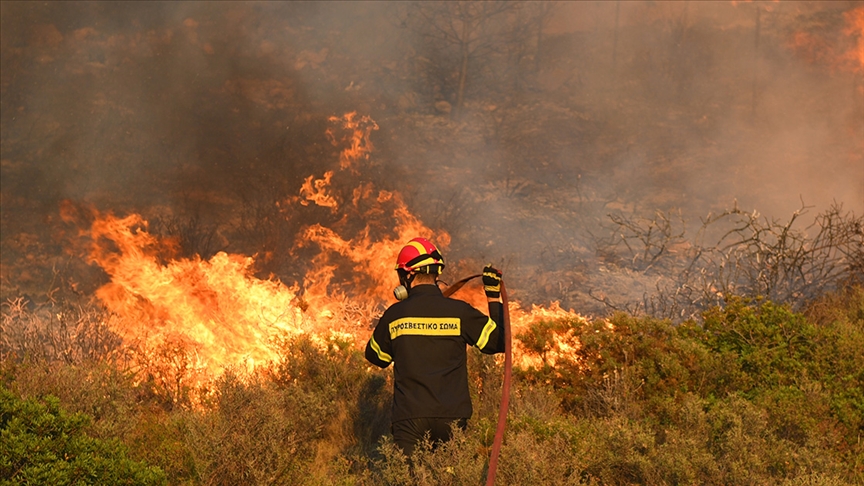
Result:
492,282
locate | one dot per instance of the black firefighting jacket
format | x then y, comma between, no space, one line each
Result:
425,336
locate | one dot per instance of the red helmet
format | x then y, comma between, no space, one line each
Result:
420,253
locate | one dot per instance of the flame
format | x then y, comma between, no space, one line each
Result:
359,148
855,29
564,345
832,51
227,317
317,191
371,257
221,315
214,308
359,143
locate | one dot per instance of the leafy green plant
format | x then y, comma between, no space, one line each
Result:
43,444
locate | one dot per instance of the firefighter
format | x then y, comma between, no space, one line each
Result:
425,336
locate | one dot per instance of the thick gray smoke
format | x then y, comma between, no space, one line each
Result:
516,127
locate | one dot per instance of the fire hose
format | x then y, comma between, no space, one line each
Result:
505,387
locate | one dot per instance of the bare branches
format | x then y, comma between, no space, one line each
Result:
193,236
751,255
468,25
774,259
647,241
54,332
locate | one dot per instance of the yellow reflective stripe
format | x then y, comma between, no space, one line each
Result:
484,336
425,326
420,248
381,354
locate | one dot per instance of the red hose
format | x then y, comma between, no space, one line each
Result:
458,285
505,393
505,387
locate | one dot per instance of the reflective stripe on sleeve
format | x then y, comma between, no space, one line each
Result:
487,330
381,354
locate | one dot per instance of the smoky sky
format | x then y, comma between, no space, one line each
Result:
220,110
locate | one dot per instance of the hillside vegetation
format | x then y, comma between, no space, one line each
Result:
607,156
751,394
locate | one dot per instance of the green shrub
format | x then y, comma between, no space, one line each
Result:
98,390
771,345
754,393
43,444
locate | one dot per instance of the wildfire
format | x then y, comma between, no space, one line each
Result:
214,308
359,143
563,345
358,149
223,316
839,53
371,258
317,191
855,28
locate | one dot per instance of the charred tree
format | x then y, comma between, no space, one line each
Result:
543,12
466,38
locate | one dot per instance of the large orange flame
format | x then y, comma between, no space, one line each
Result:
215,307
223,316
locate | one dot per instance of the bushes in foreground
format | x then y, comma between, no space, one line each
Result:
43,444
755,394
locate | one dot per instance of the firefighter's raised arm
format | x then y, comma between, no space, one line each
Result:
492,288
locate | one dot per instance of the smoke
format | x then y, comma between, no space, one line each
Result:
567,112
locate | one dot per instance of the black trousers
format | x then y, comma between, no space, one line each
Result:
408,433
